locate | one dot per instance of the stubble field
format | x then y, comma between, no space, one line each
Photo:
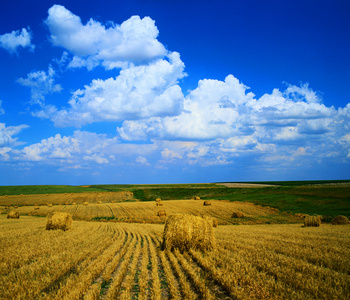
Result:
113,249
109,260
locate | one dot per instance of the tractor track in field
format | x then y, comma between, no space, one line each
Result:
110,210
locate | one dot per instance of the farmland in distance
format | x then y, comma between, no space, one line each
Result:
113,249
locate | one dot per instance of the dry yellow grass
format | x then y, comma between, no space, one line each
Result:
122,260
147,212
56,199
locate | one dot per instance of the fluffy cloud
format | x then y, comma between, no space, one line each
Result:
225,109
81,146
56,147
227,121
138,92
8,141
41,84
135,40
210,111
12,41
142,161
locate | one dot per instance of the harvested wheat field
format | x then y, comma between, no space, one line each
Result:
62,198
146,212
96,260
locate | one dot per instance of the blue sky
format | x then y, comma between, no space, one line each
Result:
174,91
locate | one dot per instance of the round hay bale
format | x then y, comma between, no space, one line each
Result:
237,214
312,221
74,203
99,202
206,203
186,232
161,213
49,205
340,220
159,204
197,198
36,207
211,220
59,220
13,214
86,203
158,199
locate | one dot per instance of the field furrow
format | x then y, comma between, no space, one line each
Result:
120,272
114,260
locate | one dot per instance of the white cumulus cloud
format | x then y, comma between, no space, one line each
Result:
133,41
210,111
7,134
12,41
41,84
137,92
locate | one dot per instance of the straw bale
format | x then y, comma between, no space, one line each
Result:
312,221
86,203
197,198
161,213
49,205
36,207
59,220
74,203
211,220
13,214
340,220
237,214
99,202
158,199
206,203
186,232
159,204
